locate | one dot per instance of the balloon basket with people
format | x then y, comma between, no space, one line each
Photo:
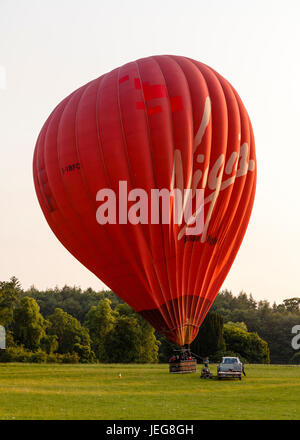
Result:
182,362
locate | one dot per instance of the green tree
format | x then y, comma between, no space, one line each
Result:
240,325
295,359
123,341
71,335
209,341
166,348
148,344
292,304
28,324
71,299
100,321
49,343
131,338
9,298
247,344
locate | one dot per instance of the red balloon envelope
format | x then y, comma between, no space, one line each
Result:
159,123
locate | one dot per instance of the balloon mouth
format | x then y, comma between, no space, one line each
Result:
183,335
179,319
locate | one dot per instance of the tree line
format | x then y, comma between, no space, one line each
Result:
272,322
40,328
75,325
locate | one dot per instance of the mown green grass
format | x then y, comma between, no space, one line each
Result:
145,392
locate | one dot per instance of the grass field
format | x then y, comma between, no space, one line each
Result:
145,392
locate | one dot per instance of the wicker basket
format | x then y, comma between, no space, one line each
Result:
183,366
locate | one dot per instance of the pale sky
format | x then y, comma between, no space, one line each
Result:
49,48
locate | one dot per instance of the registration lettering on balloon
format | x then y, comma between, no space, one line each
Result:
72,167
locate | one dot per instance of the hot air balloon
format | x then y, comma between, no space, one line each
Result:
160,123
